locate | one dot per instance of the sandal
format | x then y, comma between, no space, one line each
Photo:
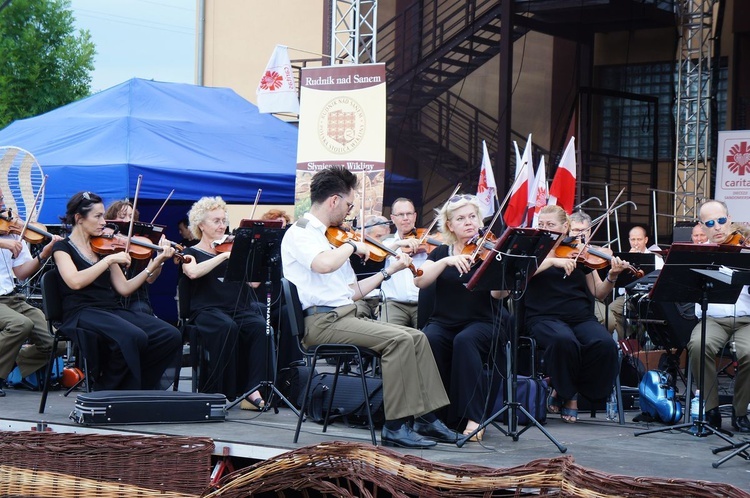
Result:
476,437
257,404
569,415
554,404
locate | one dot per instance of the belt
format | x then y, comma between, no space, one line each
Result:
314,310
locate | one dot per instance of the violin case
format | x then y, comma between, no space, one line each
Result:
148,407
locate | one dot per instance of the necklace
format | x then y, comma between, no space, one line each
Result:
89,256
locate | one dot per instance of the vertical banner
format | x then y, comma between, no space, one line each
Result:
733,173
342,123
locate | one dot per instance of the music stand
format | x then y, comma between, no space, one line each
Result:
514,259
256,253
690,272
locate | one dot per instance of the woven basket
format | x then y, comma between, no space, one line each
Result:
350,469
164,463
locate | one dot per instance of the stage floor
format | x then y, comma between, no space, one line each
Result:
594,442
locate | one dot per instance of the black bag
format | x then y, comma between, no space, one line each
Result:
348,402
291,382
532,394
631,371
148,407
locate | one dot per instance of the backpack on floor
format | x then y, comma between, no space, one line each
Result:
532,394
35,381
348,401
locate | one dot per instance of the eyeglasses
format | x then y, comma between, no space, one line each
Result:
711,223
218,221
579,230
402,215
349,205
457,198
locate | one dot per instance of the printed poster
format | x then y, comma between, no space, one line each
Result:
733,173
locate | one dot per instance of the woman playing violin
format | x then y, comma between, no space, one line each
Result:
141,346
466,329
579,353
227,314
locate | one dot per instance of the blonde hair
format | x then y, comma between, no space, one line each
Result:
558,212
199,211
445,213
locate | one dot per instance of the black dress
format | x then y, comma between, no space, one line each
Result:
467,332
137,347
579,353
232,328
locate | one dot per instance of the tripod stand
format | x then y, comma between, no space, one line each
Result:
259,244
688,272
516,256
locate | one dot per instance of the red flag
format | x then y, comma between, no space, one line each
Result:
563,188
514,213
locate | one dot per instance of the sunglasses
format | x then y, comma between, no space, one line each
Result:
711,223
457,198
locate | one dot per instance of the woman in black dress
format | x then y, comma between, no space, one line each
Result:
467,329
141,346
580,355
230,321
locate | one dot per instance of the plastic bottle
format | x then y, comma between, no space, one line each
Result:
612,412
694,410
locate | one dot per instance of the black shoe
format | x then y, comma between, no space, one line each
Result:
435,430
713,418
404,437
2,395
741,423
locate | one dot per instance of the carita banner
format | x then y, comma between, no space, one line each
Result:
733,173
342,123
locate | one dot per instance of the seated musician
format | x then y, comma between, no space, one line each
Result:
467,329
724,323
229,319
376,228
328,289
141,346
579,353
139,300
697,235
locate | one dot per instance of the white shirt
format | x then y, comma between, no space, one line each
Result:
7,282
400,287
740,308
299,247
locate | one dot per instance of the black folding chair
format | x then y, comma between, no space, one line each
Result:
189,334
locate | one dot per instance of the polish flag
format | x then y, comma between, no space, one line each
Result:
276,91
563,188
487,188
540,192
514,213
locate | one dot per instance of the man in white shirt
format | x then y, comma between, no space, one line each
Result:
328,289
724,322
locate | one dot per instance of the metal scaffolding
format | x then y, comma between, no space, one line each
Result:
696,98
354,31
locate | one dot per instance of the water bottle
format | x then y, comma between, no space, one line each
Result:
694,407
612,413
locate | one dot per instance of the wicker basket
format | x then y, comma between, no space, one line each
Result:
163,463
350,469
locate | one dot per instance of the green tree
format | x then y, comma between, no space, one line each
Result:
44,63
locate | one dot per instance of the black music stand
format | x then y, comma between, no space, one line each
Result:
690,272
517,254
256,253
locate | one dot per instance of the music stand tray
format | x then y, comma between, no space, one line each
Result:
644,261
509,265
689,275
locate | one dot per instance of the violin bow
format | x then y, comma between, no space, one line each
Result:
609,210
435,220
483,239
362,205
162,206
33,206
132,218
255,204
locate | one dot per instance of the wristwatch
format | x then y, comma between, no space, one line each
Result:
385,274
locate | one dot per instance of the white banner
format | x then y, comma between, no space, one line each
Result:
733,173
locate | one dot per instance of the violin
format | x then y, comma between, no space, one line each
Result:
140,247
737,238
378,252
224,244
35,233
426,242
479,246
592,256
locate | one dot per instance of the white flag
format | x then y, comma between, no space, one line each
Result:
486,189
276,91
540,192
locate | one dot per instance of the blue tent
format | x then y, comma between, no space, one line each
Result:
196,140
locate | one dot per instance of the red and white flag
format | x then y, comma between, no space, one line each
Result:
486,189
514,213
563,188
276,91
540,192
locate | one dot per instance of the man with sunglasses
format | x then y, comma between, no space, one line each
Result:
328,289
724,323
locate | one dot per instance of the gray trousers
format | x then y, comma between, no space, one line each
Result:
411,381
400,313
718,332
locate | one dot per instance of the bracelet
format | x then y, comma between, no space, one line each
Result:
386,275
608,280
354,246
149,273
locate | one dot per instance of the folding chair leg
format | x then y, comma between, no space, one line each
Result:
48,373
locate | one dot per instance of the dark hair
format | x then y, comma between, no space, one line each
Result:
184,221
331,181
114,210
81,203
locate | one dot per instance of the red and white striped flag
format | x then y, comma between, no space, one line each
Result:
540,192
486,189
563,188
276,91
516,209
